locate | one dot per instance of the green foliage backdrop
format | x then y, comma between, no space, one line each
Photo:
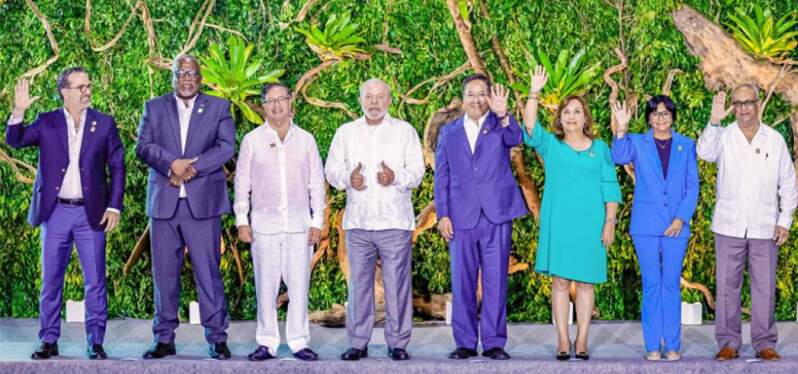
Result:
424,31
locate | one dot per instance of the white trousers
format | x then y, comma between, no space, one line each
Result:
283,256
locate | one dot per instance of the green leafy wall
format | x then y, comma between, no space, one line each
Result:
424,32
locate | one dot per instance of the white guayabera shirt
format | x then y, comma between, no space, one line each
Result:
756,188
377,207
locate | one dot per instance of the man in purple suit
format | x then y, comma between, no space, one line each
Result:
72,200
476,199
186,137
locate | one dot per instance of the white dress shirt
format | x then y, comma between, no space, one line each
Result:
472,129
71,186
280,184
184,111
377,207
756,188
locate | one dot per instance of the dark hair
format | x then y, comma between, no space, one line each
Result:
587,129
269,86
654,102
63,79
476,77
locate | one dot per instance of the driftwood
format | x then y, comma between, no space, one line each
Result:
433,127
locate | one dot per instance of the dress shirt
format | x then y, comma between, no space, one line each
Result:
184,111
279,183
71,186
377,207
755,187
472,129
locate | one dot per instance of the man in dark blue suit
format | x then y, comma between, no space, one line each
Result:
186,137
72,200
476,200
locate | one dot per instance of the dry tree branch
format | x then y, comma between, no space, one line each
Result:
464,33
666,89
439,81
53,43
304,11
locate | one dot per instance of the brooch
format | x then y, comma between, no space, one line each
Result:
93,126
679,148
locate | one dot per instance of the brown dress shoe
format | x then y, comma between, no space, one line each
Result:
726,353
768,354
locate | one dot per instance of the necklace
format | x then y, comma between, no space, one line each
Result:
664,143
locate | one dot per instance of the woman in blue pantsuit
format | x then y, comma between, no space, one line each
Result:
665,196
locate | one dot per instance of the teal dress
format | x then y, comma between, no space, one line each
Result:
572,215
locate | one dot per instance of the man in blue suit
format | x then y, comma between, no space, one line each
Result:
186,137
476,199
72,200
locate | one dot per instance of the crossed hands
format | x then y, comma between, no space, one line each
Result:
385,177
182,171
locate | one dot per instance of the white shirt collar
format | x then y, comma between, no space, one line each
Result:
190,101
274,133
478,123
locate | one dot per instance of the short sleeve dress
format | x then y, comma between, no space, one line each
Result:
577,186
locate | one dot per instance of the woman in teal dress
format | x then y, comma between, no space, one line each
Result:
577,216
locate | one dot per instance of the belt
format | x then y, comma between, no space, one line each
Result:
76,202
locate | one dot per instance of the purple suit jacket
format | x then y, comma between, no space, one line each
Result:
467,184
101,148
211,138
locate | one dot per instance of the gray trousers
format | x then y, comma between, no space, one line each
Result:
394,248
730,253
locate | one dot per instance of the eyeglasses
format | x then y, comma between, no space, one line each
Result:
746,104
186,74
661,115
82,88
276,100
477,96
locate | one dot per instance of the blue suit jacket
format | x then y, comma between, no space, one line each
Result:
211,138
101,152
657,200
467,183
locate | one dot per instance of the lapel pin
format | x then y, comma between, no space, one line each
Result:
200,110
93,126
272,145
485,131
679,148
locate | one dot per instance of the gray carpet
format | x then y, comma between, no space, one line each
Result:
616,347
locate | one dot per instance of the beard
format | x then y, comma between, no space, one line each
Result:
369,115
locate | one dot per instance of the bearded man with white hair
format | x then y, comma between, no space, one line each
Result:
377,160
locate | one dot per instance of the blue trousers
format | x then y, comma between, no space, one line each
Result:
67,225
660,261
486,247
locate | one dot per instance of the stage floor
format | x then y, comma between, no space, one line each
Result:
616,347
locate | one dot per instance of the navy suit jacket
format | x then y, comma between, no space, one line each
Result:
101,152
211,138
467,184
657,200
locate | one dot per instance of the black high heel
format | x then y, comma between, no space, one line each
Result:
564,355
584,356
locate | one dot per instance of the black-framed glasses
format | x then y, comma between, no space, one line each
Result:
476,96
82,88
281,99
179,74
744,104
661,115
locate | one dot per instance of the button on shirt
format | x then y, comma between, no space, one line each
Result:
184,111
280,184
377,207
472,129
756,187
71,187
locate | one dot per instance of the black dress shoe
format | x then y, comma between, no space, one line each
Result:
496,353
96,352
564,355
260,354
219,351
306,354
462,354
354,354
398,354
582,356
45,351
160,350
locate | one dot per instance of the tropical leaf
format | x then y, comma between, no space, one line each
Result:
339,39
232,76
567,76
761,34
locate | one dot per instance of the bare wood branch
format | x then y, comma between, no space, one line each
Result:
666,89
141,245
16,166
311,74
464,33
225,29
771,88
304,11
528,187
438,82
53,43
425,220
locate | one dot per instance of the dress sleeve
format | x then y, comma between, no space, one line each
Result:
539,139
610,189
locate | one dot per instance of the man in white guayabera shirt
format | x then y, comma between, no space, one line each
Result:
279,208
377,160
755,198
